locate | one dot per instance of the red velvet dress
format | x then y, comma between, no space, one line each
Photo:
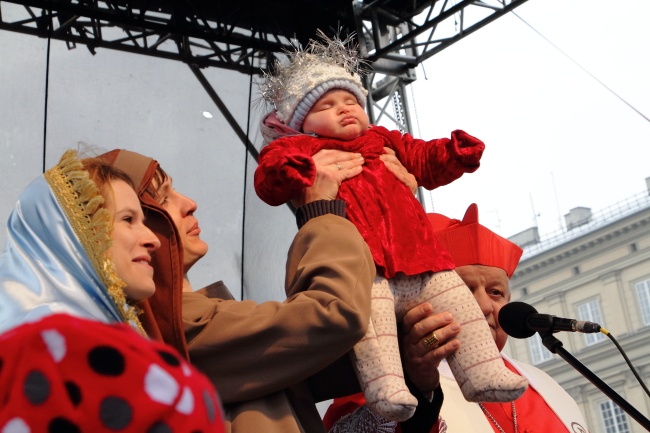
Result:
390,219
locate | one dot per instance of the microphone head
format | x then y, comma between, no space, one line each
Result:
513,319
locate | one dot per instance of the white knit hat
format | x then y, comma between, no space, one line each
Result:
308,74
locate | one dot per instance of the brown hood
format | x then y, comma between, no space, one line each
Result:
161,316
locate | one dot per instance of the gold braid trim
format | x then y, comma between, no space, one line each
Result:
81,201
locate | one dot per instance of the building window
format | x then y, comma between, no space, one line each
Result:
633,248
613,417
576,270
590,311
524,291
538,352
643,294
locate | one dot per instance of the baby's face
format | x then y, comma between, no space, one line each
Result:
337,114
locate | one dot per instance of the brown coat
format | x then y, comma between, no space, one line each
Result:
258,354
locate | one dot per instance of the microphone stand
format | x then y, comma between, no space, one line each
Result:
555,346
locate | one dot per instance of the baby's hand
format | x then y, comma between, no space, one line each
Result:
332,168
395,166
468,149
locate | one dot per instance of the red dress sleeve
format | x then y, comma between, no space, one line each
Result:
439,161
283,172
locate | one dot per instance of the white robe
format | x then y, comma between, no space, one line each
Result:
462,416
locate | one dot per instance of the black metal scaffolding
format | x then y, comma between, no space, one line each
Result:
394,36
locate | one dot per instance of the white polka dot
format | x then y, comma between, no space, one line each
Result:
16,425
186,370
186,404
55,343
160,385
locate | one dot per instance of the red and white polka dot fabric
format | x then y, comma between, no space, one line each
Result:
63,374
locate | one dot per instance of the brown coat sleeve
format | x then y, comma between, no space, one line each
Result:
250,350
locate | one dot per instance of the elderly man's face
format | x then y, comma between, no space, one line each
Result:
490,287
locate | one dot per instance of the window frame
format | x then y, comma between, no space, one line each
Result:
589,310
537,351
617,417
642,291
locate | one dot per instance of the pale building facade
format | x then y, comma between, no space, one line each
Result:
597,269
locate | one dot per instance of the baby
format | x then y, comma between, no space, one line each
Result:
319,103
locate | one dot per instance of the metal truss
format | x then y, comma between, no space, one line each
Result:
394,37
137,27
246,35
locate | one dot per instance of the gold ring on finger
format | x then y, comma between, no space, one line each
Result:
431,340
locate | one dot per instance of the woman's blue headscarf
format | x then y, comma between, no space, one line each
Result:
55,257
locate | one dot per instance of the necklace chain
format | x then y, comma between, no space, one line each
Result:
494,421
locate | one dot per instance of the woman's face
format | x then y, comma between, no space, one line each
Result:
133,242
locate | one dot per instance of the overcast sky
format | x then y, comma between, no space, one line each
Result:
556,138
